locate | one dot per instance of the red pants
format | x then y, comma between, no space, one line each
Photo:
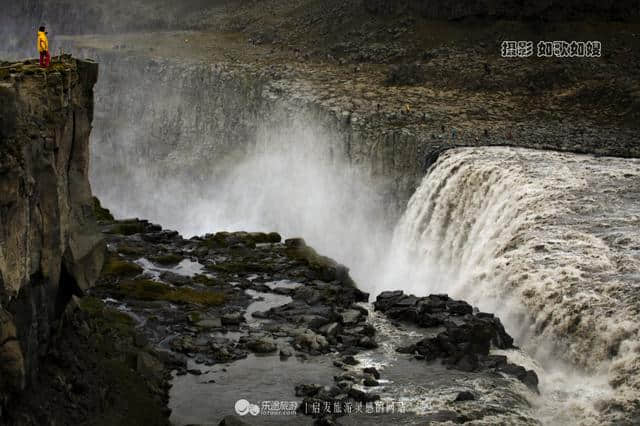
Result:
45,59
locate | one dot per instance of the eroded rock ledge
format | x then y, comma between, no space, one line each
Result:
50,248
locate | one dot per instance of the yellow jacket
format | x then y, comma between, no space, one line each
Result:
43,42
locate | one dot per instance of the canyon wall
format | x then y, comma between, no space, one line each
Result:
188,121
193,122
49,245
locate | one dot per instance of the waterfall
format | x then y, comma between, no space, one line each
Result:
548,241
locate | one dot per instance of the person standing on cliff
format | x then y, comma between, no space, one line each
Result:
43,48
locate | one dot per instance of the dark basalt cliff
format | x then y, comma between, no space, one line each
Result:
49,245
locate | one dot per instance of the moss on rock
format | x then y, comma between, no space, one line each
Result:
115,266
128,250
100,212
153,290
249,239
205,280
131,397
105,317
311,257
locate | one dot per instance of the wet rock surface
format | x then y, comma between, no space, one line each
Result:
236,296
232,294
189,296
463,337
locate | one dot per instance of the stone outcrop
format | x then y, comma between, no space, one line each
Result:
464,336
49,245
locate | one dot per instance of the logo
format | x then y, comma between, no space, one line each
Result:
266,408
244,407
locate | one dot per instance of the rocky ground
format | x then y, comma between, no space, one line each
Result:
444,82
165,307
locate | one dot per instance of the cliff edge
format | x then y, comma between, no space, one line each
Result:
50,248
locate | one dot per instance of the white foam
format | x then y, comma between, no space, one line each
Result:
549,242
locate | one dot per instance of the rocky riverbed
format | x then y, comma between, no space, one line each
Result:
181,329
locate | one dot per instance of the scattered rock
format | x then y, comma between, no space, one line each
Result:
465,396
467,339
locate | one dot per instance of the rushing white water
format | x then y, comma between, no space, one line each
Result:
550,242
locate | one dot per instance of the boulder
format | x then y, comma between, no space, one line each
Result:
350,360
387,299
372,371
350,317
285,353
465,396
262,345
311,341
